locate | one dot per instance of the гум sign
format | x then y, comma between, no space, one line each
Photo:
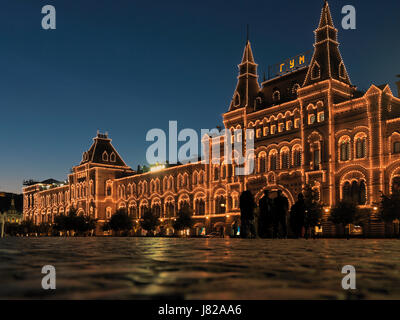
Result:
289,65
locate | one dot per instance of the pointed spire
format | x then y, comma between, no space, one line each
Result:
247,87
327,62
326,17
247,54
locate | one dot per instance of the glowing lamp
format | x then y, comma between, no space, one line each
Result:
157,167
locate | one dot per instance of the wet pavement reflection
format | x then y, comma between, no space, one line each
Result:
154,268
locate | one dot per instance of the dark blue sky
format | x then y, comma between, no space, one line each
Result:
128,66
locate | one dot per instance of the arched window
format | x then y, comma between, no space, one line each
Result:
285,160
295,87
276,96
297,158
200,206
201,177
262,163
113,157
180,181
272,162
360,148
195,178
105,156
108,192
345,151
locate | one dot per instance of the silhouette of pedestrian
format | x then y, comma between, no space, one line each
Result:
247,205
281,205
235,228
265,218
297,216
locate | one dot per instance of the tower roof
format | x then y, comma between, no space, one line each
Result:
102,152
248,54
326,18
247,86
327,62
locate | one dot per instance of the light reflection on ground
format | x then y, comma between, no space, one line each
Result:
153,268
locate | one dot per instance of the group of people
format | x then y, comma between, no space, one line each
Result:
273,215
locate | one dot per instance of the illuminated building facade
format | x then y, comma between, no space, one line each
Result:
311,126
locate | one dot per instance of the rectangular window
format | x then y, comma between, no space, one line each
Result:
321,116
280,127
396,147
311,119
266,131
297,123
258,133
273,129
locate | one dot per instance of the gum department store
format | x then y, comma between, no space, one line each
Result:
311,126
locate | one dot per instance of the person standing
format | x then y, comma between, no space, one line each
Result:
297,216
247,205
281,206
265,217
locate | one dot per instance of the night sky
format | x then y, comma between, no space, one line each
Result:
128,66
